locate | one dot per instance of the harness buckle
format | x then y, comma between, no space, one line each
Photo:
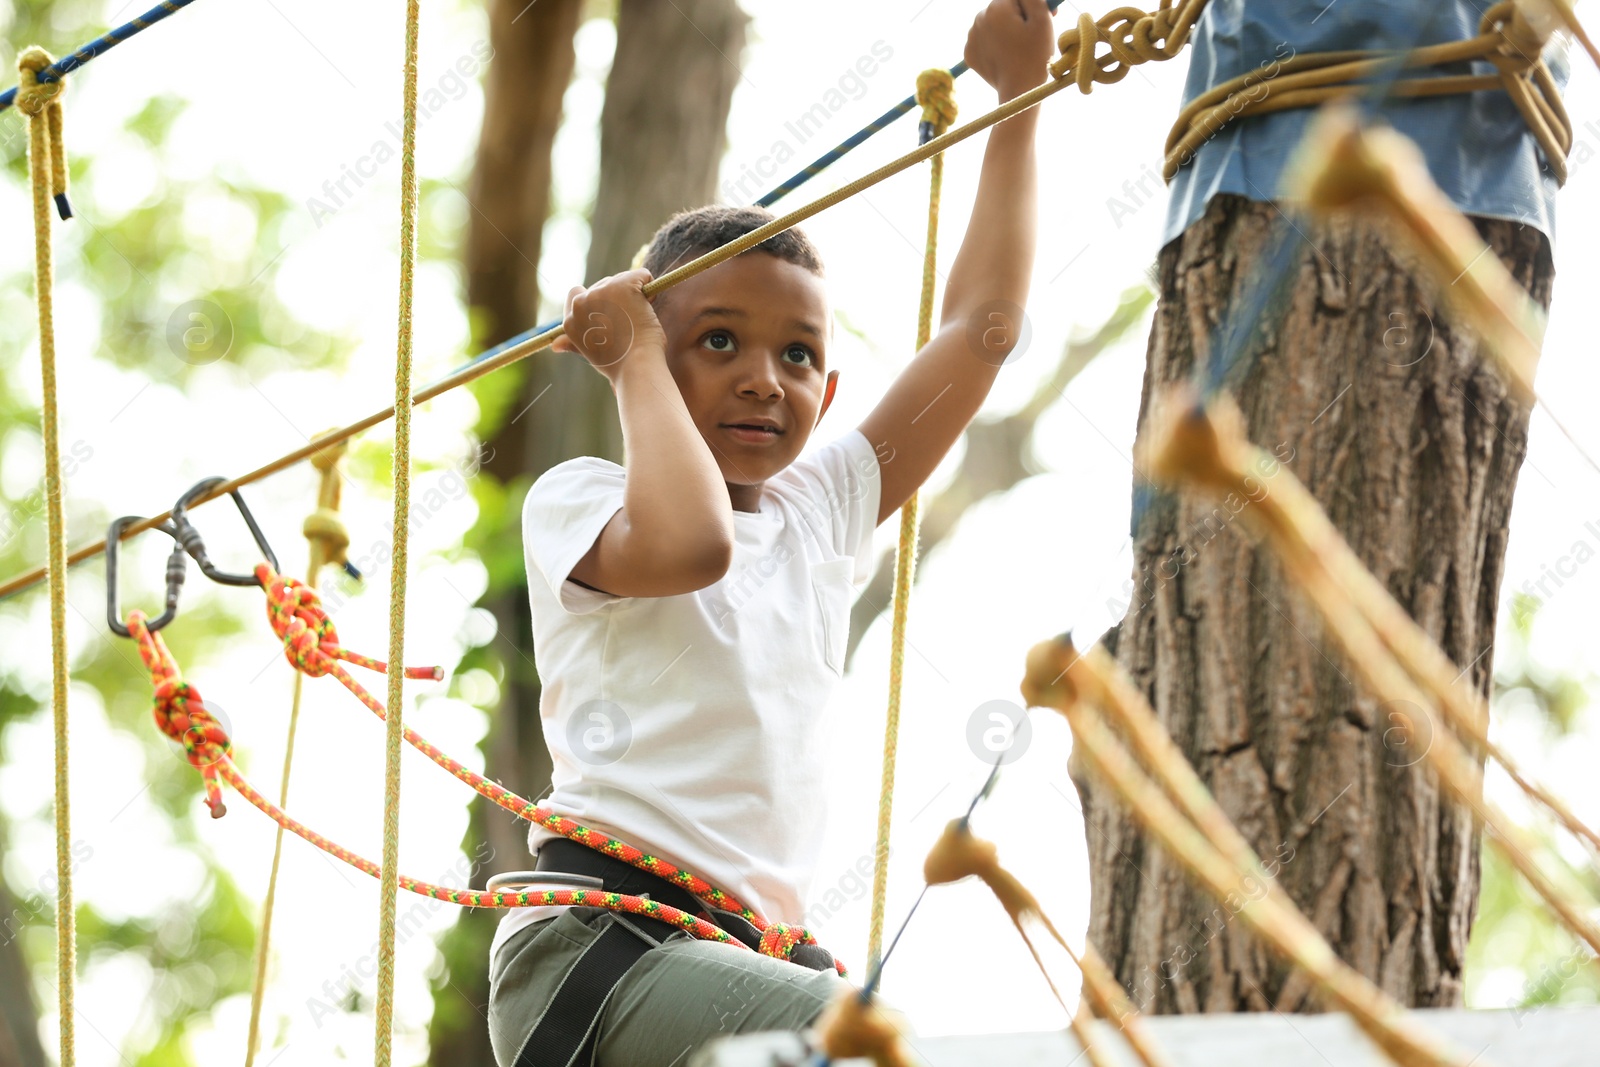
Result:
521,881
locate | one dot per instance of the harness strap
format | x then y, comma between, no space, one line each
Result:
569,857
567,1033
618,876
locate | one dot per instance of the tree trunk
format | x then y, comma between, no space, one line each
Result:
664,128
1402,426
510,187
662,136
510,195
19,1015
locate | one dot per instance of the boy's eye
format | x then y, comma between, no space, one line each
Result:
719,341
803,353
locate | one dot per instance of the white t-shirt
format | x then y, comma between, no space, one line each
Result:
688,726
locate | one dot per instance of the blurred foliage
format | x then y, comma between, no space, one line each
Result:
1522,684
138,265
1518,944
1520,956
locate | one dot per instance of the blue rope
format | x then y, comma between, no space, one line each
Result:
832,156
822,163
876,977
99,45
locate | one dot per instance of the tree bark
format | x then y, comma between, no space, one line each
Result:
1402,426
510,187
664,128
662,136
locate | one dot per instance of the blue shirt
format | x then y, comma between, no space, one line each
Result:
1477,146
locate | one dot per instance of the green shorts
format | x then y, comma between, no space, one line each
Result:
680,994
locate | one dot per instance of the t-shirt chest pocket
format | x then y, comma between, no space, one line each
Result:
835,594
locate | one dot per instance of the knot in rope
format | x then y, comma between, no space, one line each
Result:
936,94
1516,44
1520,42
1131,36
182,714
326,528
310,642
41,102
33,96
323,527
1507,40
295,612
326,459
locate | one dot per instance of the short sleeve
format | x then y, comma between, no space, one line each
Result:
841,483
563,514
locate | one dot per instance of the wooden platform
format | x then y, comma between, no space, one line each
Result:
1534,1037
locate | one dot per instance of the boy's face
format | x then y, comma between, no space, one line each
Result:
747,344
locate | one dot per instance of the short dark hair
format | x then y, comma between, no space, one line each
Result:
691,234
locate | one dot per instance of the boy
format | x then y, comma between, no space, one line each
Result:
690,609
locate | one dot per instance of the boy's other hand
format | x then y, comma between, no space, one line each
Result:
609,320
1010,45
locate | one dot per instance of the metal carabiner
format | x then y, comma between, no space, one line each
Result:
195,545
177,569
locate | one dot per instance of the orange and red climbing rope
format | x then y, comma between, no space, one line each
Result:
312,646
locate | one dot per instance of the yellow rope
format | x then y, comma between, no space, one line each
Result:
47,166
403,400
328,540
935,92
1506,40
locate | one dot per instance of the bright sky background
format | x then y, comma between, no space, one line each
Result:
310,94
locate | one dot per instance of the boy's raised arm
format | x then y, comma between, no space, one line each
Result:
674,533
936,396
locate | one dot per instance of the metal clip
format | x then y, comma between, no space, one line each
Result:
195,545
177,569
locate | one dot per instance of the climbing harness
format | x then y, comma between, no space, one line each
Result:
569,1027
